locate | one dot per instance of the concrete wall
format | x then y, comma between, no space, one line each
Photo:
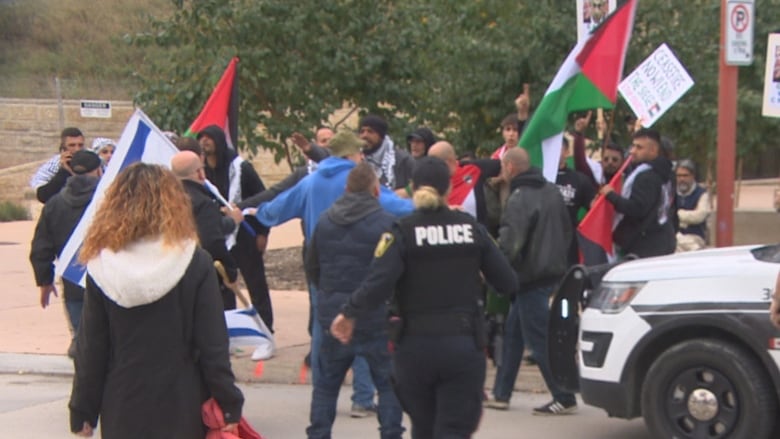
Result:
30,129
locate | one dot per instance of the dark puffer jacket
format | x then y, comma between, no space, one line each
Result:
535,231
340,253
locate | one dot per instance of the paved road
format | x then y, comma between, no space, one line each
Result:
34,406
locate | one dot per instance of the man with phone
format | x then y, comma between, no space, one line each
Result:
50,178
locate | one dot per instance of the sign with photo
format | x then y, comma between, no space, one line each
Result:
771,106
590,13
659,82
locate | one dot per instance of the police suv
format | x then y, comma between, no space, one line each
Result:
683,340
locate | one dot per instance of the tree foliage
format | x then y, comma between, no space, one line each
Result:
455,66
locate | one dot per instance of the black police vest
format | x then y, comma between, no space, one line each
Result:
689,202
441,265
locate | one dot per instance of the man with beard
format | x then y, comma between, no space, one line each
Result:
643,207
392,164
693,208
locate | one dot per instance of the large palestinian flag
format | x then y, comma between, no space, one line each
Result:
587,79
221,108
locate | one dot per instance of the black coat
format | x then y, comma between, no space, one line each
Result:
647,227
59,217
536,230
208,219
146,369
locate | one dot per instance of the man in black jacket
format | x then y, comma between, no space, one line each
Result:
534,235
60,215
645,226
187,166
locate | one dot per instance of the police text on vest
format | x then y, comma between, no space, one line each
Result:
444,235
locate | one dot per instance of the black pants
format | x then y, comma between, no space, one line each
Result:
439,381
250,263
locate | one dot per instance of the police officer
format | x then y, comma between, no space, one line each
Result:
432,259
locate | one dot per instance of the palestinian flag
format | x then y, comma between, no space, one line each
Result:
221,108
587,79
594,234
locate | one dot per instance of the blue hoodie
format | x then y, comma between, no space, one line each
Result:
316,192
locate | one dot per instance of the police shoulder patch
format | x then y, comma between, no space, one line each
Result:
385,241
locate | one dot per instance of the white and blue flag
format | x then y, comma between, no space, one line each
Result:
141,141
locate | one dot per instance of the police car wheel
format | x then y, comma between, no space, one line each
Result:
708,389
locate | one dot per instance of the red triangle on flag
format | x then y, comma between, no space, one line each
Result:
221,108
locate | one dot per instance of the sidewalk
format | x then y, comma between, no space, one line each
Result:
35,339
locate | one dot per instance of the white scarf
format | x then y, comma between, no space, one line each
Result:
383,162
626,191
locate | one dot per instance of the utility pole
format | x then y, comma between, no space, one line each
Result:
736,48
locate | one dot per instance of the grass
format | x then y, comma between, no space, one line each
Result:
77,41
11,211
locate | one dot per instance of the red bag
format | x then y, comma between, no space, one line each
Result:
215,421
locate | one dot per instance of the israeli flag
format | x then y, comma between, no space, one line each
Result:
141,141
246,328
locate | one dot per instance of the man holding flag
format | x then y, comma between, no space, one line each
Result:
643,205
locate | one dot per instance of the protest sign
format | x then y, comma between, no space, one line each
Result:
659,82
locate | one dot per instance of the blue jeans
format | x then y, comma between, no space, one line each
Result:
527,321
73,310
335,360
362,386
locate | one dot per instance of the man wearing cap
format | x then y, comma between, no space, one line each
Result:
317,192
51,176
392,164
693,208
420,141
60,215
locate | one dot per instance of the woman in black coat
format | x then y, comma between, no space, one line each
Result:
152,344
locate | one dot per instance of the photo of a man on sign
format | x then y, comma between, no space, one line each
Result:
591,13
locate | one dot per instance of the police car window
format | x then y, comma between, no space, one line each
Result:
769,253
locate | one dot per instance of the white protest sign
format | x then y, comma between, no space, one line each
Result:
655,85
771,100
591,13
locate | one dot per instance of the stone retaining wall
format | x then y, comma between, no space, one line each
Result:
30,130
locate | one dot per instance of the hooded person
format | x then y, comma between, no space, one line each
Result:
393,165
420,142
236,179
59,217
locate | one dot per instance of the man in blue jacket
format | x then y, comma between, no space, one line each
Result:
317,192
344,239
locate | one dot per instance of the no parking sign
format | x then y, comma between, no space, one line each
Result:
740,19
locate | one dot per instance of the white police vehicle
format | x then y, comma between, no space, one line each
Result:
683,340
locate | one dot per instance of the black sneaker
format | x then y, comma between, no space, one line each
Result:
554,408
